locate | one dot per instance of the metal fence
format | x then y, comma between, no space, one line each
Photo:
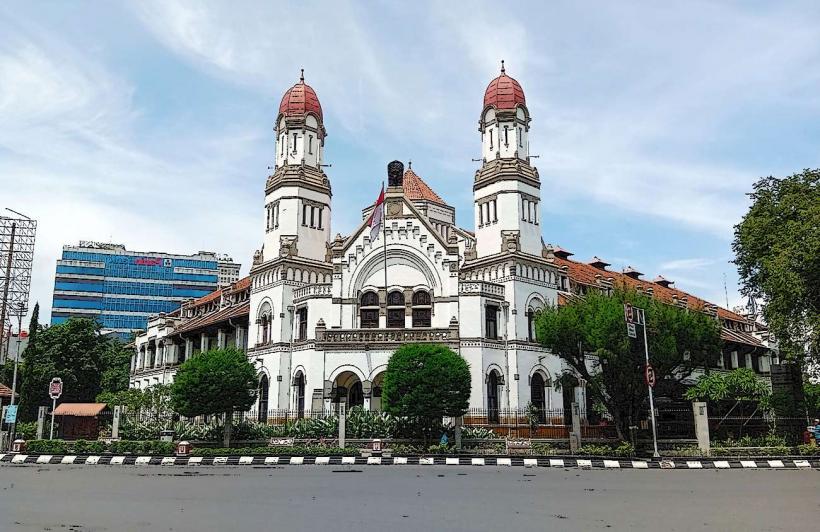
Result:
737,427
673,423
538,423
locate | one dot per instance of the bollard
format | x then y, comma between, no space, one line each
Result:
184,448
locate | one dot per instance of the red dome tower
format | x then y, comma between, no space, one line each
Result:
507,188
299,127
297,194
300,100
504,92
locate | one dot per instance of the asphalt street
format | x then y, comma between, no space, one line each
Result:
402,498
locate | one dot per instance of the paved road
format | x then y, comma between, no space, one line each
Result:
411,498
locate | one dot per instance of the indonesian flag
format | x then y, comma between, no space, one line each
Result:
376,216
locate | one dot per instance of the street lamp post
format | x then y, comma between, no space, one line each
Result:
14,377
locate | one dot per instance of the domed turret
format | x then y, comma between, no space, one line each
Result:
300,100
507,188
297,194
504,92
504,123
300,132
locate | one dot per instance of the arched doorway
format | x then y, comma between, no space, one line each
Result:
264,385
299,392
492,396
356,395
538,395
349,391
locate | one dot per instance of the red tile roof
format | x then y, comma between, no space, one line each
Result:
79,409
207,298
242,284
587,274
300,99
5,391
504,92
416,189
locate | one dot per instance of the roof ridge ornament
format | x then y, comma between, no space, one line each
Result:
302,75
503,70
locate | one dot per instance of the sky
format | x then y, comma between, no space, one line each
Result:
151,123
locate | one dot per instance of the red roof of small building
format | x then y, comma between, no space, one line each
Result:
5,391
504,92
79,409
416,189
300,100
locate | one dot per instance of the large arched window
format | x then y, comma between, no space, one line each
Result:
262,414
299,384
369,310
422,309
538,396
533,309
264,318
493,382
395,309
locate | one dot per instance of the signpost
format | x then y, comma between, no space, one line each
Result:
11,414
55,390
637,316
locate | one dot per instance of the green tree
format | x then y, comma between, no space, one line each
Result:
424,383
679,342
214,382
777,249
116,361
738,385
75,351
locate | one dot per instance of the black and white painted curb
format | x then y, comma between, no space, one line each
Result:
593,463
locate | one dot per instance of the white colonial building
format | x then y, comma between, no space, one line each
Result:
320,316
323,323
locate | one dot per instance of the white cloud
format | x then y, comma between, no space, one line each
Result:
697,263
70,162
635,108
625,98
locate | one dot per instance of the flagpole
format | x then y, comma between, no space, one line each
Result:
384,244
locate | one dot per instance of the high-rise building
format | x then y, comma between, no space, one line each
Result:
228,270
121,288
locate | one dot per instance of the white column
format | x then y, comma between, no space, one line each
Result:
203,342
221,339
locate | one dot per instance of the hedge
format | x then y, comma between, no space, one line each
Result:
304,450
151,447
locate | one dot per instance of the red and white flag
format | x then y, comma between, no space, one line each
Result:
376,216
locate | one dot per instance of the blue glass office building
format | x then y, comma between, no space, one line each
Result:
121,288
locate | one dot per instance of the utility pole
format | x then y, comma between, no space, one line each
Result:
650,386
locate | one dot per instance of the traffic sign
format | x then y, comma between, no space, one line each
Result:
55,388
11,414
629,314
630,330
649,375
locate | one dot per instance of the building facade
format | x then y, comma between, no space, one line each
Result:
325,313
122,288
